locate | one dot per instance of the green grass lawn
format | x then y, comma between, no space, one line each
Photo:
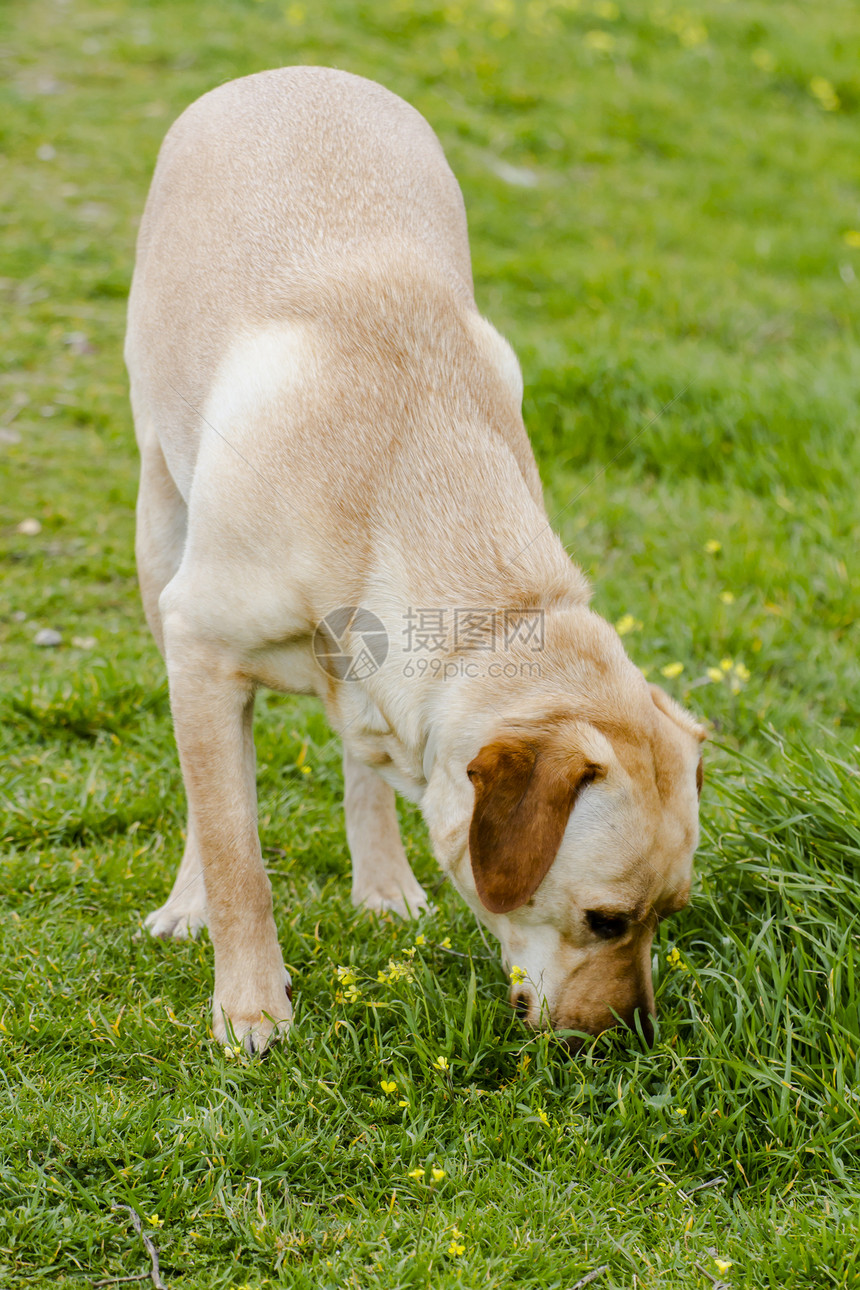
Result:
664,203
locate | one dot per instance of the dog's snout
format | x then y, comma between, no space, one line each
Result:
611,990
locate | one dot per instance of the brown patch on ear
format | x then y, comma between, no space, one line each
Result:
673,710
524,794
700,776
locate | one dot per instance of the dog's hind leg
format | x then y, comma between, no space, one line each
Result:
160,538
381,876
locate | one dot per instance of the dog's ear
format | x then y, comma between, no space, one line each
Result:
682,718
673,710
524,794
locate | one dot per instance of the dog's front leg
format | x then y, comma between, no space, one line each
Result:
212,705
381,876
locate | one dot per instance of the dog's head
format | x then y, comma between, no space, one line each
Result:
582,837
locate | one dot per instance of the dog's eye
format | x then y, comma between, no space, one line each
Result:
606,926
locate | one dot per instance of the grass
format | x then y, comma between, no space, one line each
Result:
675,239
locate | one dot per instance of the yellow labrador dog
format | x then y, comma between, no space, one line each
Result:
338,497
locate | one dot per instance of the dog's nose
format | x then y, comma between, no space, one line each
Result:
521,1004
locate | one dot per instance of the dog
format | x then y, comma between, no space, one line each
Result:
338,497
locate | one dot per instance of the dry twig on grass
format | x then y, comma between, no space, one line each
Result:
591,1276
155,1272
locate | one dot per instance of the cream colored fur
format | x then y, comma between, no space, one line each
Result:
325,420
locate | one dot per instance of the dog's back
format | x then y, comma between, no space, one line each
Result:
270,193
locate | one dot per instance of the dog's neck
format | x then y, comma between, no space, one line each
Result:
435,724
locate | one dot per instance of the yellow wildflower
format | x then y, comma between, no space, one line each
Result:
692,35
680,1110
417,1174
723,1265
726,664
346,975
627,623
437,1174
518,975
419,940
603,42
455,1249
712,546
156,1221
399,971
446,944
714,674
741,672
823,91
403,1102
727,597
673,958
442,1064
542,1116
852,238
672,669
388,1086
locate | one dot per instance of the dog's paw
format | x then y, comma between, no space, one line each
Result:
407,902
177,919
254,1027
